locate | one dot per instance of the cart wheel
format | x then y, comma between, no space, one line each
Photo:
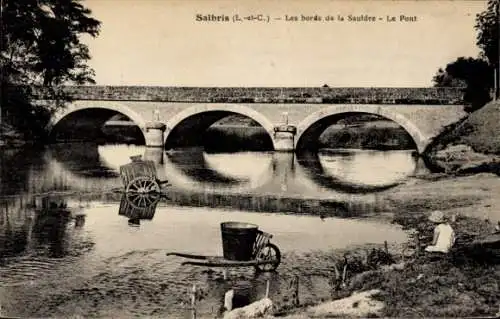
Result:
269,252
142,200
143,185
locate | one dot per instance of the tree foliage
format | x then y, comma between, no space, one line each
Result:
41,47
474,75
444,79
487,26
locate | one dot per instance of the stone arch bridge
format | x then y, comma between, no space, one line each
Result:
293,117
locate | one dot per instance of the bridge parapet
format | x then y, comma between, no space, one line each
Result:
312,95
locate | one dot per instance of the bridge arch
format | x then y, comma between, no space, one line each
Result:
101,111
309,129
198,118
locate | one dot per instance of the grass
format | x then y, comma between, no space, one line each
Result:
469,146
480,130
437,288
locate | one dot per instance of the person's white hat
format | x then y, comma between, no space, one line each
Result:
437,216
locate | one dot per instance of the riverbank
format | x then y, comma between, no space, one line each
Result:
458,285
471,145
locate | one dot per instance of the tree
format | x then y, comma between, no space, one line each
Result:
41,47
477,75
444,79
488,36
474,75
487,25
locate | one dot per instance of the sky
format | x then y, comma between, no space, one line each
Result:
161,43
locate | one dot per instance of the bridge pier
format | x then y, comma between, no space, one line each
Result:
284,138
154,134
154,141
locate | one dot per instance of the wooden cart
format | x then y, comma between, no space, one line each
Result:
139,177
266,257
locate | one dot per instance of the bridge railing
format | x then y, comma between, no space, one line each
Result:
326,95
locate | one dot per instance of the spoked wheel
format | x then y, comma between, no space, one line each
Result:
143,185
143,200
269,252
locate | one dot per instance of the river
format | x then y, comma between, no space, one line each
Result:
69,245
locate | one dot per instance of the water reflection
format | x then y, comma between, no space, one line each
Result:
38,225
15,228
16,169
197,170
83,159
137,207
93,168
79,221
357,172
114,156
49,228
368,167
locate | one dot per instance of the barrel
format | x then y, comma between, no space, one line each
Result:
238,240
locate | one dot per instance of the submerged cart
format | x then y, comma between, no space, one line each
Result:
139,177
244,245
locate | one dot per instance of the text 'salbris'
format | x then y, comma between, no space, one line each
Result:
212,17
